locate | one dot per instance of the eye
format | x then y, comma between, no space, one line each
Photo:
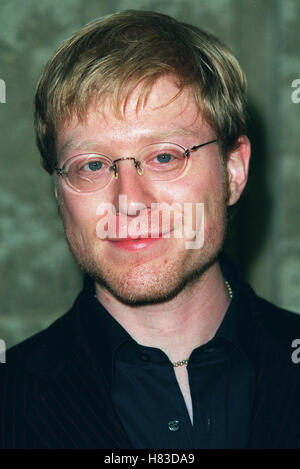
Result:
164,158
92,166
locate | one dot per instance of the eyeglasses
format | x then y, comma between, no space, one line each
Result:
90,172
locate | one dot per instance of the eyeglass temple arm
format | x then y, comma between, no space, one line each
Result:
188,151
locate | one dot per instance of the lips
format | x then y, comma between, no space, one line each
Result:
135,238
133,243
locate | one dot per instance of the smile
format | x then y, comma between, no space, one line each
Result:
129,244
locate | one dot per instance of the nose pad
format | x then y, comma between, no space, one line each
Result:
114,168
139,168
137,165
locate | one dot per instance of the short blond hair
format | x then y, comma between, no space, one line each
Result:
112,55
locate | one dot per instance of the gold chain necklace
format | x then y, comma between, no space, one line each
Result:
230,294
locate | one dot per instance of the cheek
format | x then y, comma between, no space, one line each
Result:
209,190
78,212
213,186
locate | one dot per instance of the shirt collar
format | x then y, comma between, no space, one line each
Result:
237,326
104,334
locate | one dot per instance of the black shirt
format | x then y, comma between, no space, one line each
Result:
145,391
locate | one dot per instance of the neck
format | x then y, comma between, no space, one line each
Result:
180,325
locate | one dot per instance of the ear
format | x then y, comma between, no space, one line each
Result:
237,169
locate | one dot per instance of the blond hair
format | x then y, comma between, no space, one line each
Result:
112,55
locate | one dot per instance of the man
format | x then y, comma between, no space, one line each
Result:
140,120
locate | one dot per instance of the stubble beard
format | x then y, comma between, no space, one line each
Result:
154,283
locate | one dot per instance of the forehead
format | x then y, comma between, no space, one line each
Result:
165,113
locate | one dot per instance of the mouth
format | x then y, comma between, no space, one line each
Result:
134,244
136,238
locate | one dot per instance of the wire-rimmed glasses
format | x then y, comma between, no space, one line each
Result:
90,172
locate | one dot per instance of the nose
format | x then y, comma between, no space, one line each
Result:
132,184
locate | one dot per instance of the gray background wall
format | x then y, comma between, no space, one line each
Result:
39,279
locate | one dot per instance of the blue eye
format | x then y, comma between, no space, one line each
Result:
164,157
93,166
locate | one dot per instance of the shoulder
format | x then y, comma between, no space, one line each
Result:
281,323
40,377
40,353
273,322
275,336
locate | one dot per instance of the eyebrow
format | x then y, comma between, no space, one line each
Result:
72,144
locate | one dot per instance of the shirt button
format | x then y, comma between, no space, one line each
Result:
173,425
144,357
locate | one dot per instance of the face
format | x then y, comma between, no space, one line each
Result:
145,272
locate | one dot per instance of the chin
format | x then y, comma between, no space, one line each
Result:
145,284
